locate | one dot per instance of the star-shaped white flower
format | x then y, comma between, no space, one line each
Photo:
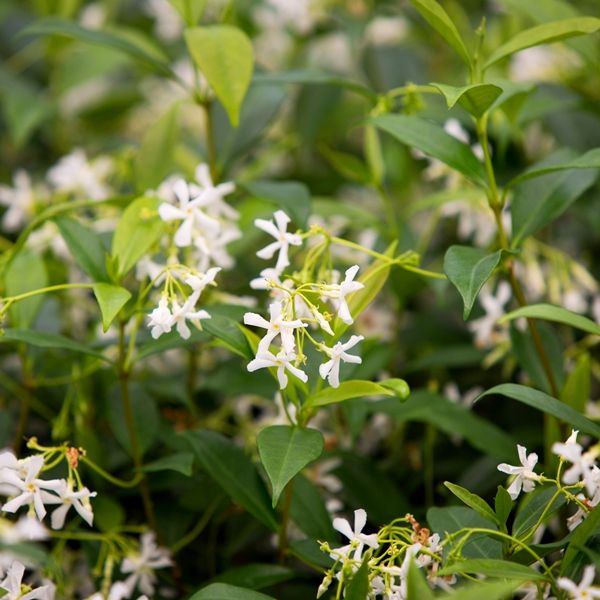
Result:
67,497
161,318
583,591
358,540
277,325
143,564
13,582
211,195
199,283
278,230
184,313
493,305
348,286
331,368
525,477
282,362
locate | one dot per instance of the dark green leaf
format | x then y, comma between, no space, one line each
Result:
255,576
285,451
224,591
557,314
228,332
468,269
182,462
417,587
346,164
358,588
503,504
111,299
291,196
476,98
309,512
546,404
234,472
576,390
535,504
491,567
474,501
580,536
431,139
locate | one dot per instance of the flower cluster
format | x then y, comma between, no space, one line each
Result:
299,302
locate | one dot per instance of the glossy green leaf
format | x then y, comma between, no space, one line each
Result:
535,504
86,247
284,451
491,567
497,590
229,466
557,314
473,501
580,536
115,40
468,269
225,56
396,385
111,299
438,18
544,34
347,390
228,333
431,139
546,404
44,339
255,575
138,229
589,160
417,587
291,196
476,98
225,591
182,462
503,505
154,158
358,588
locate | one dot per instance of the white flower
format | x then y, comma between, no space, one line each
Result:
19,200
161,319
583,591
211,195
278,230
186,313
188,212
143,564
199,283
525,477
494,308
67,497
277,325
434,546
358,540
583,466
26,529
283,361
348,286
33,490
13,582
331,368
168,24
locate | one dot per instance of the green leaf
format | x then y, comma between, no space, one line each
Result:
557,314
85,246
580,536
234,472
438,18
154,158
589,160
544,34
309,512
349,389
503,504
228,332
138,229
224,591
284,451
491,567
190,10
224,54
255,575
358,588
182,462
474,501
398,386
468,269
536,504
476,99
497,590
291,196
347,165
111,299
26,273
43,339
417,587
576,390
117,41
514,94
546,404
431,139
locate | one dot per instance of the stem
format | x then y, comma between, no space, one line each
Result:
111,478
51,288
198,528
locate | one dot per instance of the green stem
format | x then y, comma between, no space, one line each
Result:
111,478
45,290
198,528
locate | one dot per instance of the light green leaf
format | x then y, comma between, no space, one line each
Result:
497,590
182,462
358,588
348,390
44,339
576,391
514,94
138,229
291,196
431,139
85,246
190,10
111,299
544,34
347,165
117,41
224,591
234,472
468,269
472,500
396,385
417,587
476,99
550,312
284,451
154,159
546,404
503,504
491,567
589,160
224,54
438,18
